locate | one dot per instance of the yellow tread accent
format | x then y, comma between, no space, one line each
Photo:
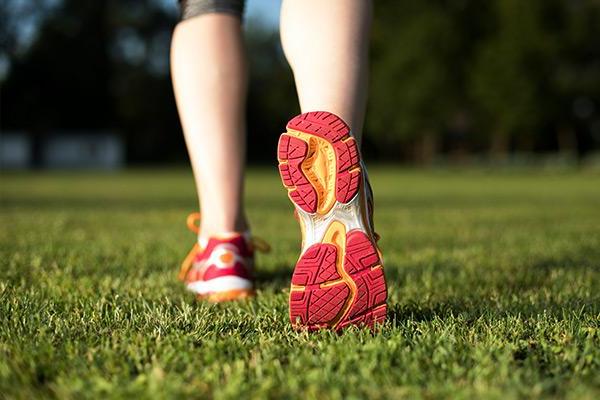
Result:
331,283
320,168
336,235
297,288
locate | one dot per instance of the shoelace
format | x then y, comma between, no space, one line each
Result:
192,223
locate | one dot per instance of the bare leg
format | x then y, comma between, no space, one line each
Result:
326,44
209,78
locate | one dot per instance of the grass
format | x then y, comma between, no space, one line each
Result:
494,292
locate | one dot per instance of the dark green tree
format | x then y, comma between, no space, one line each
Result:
575,80
410,81
510,73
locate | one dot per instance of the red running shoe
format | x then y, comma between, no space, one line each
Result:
222,269
338,279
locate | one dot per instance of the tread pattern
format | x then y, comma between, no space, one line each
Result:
328,290
292,151
316,266
358,299
360,259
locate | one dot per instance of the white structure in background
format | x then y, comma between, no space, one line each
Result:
68,150
15,150
83,150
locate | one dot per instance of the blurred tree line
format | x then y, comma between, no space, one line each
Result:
495,76
450,78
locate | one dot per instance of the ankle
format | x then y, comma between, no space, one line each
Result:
209,228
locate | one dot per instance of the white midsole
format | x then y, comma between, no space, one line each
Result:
315,225
222,284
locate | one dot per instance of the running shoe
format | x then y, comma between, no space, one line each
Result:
338,280
222,268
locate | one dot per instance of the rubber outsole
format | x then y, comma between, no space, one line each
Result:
339,280
293,151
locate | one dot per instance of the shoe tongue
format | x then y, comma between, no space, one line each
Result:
224,237
235,239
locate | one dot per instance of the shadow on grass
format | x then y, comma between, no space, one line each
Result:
582,259
475,308
499,294
277,279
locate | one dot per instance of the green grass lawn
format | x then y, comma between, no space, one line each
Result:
494,283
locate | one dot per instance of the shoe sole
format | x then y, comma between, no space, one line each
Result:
225,288
338,280
226,296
